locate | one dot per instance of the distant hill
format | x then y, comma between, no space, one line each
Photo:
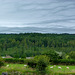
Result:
31,44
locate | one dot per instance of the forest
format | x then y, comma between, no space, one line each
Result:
31,44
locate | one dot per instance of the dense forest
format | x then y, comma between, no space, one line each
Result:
32,44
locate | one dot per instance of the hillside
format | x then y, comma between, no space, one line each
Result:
31,44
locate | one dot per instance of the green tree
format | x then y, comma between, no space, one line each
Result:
72,54
42,62
1,62
52,55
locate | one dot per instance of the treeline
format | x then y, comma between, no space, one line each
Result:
32,44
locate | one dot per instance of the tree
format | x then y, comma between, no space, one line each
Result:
72,54
42,62
1,62
52,55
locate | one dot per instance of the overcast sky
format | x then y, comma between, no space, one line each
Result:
45,16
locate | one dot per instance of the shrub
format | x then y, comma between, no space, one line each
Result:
14,60
42,62
1,62
32,63
72,55
52,54
64,61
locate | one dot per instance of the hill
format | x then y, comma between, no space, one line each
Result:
31,44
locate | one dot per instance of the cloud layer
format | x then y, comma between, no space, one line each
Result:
48,16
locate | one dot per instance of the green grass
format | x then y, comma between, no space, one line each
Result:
63,69
16,67
22,69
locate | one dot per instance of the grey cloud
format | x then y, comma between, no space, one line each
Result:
52,21
38,13
66,0
35,29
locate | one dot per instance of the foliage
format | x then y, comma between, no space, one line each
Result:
14,60
42,63
1,62
52,55
32,44
72,54
64,61
32,63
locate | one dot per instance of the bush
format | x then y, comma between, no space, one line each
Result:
64,61
14,60
32,63
52,54
1,62
42,62
72,55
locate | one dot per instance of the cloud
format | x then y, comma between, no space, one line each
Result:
38,13
66,0
36,29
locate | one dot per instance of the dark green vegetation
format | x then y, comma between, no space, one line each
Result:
32,44
1,62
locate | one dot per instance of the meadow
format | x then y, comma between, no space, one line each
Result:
23,69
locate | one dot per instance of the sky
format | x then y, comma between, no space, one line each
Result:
40,16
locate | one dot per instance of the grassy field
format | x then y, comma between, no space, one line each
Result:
63,69
21,68
16,68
